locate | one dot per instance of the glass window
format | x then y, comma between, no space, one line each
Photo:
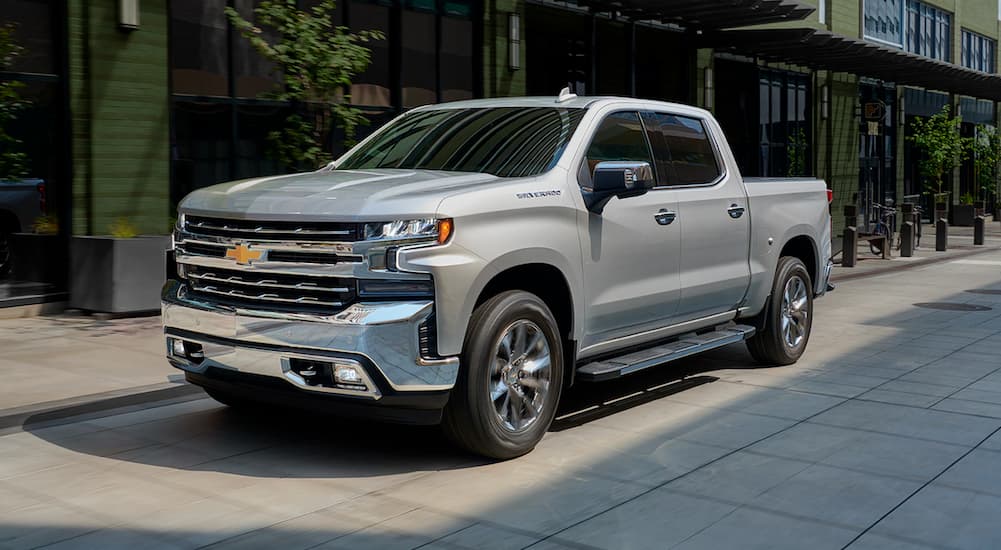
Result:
253,74
198,48
690,153
882,20
978,52
418,72
456,59
505,141
929,31
371,88
32,20
619,138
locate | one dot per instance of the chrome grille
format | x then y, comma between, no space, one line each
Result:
272,230
270,291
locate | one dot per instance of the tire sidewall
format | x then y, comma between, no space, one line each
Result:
502,311
787,269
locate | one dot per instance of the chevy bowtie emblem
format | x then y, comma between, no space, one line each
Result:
243,254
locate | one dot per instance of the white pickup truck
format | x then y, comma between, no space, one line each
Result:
469,261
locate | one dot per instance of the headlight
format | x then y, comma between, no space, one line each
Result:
427,229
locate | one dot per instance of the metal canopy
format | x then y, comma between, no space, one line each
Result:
706,14
820,49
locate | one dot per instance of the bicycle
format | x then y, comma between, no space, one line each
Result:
885,224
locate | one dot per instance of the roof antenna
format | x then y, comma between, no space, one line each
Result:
565,95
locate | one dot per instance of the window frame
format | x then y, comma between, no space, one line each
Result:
583,168
721,167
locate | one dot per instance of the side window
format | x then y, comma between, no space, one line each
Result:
619,137
685,156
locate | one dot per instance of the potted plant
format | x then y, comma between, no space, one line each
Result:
964,212
938,140
34,254
120,273
985,149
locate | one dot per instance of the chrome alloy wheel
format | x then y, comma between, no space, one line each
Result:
795,312
519,376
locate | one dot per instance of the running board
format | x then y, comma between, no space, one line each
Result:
690,344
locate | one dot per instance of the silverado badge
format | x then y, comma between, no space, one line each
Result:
243,254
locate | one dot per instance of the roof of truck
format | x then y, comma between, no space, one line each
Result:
568,101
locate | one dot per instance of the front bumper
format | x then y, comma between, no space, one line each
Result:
380,338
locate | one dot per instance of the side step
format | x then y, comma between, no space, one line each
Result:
684,346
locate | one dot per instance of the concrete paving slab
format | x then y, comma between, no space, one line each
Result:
946,517
909,422
661,515
749,529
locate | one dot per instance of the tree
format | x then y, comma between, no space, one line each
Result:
316,62
985,149
937,139
13,163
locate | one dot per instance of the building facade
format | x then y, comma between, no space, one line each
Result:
126,117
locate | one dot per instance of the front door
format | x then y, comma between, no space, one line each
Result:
631,260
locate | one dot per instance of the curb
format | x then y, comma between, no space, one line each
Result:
910,265
96,405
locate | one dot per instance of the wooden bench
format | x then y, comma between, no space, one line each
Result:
877,239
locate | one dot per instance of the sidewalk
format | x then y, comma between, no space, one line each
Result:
61,361
58,362
960,246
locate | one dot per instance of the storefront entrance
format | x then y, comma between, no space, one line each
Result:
877,150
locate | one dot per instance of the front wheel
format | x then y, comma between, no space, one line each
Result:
788,316
511,379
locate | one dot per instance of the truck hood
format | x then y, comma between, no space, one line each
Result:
338,195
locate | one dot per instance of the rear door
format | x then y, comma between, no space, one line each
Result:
712,215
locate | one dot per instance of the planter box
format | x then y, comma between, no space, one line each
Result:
117,275
38,259
963,214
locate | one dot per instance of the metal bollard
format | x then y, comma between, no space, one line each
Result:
907,239
849,247
978,230
907,230
941,235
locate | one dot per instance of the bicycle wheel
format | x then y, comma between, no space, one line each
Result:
876,247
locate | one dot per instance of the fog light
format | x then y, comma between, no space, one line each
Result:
177,347
347,375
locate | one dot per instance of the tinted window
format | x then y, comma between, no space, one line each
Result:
684,153
506,142
619,138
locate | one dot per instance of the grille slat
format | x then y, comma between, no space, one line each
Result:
270,291
273,230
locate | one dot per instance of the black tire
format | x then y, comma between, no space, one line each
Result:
472,418
769,344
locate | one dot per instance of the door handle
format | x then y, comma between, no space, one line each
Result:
665,217
735,211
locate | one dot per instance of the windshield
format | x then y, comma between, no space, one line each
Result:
503,141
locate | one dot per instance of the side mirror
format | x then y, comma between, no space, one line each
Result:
617,179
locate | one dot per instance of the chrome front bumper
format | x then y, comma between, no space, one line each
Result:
381,337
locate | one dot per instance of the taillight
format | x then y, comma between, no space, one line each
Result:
830,196
41,197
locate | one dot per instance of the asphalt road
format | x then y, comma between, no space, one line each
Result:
885,435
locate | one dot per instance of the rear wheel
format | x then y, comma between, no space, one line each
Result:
788,316
512,376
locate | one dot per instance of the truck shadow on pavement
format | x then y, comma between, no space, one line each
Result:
200,435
